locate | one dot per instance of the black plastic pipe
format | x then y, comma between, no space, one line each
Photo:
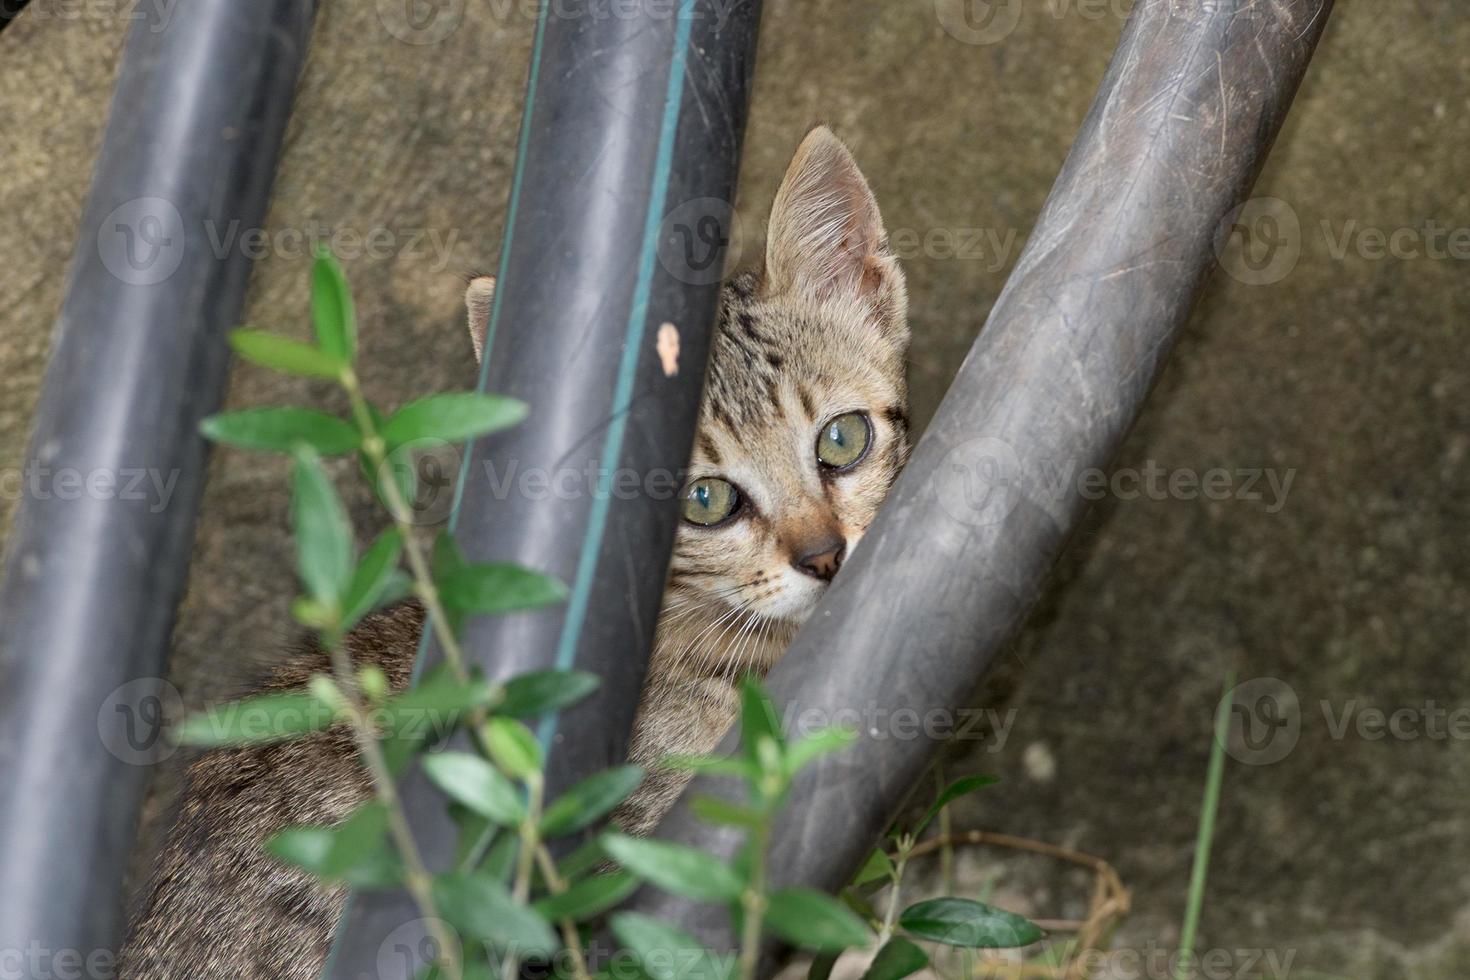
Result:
615,241
9,10
1186,116
97,559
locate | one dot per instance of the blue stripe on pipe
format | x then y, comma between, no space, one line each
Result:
612,447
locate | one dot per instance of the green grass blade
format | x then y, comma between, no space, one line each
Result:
1206,834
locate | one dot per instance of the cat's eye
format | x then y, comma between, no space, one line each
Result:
844,441
710,501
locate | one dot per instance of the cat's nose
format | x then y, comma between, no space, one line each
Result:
823,561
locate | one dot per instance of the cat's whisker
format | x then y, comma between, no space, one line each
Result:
719,641
743,637
689,647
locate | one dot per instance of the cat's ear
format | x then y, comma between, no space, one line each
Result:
478,297
826,237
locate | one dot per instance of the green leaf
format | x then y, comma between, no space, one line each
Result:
813,920
897,959
495,587
962,922
452,417
952,792
286,355
818,744
448,558
675,868
264,718
587,856
481,908
429,711
476,834
331,308
470,780
545,691
323,533
664,952
860,905
587,801
500,860
758,718
438,700
513,747
355,851
374,684
588,898
372,577
878,865
280,429
712,809
822,965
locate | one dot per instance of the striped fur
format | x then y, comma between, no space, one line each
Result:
818,332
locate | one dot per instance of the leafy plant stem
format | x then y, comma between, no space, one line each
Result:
900,859
946,851
525,860
376,451
416,876
753,900
557,884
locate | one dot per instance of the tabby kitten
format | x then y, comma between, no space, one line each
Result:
801,433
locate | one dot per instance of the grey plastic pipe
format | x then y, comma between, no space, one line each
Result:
1184,120
609,283
99,553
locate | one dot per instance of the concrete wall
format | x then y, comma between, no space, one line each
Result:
1347,371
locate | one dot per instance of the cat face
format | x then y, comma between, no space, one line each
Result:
803,427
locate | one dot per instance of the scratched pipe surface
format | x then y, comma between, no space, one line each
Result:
1186,115
92,578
